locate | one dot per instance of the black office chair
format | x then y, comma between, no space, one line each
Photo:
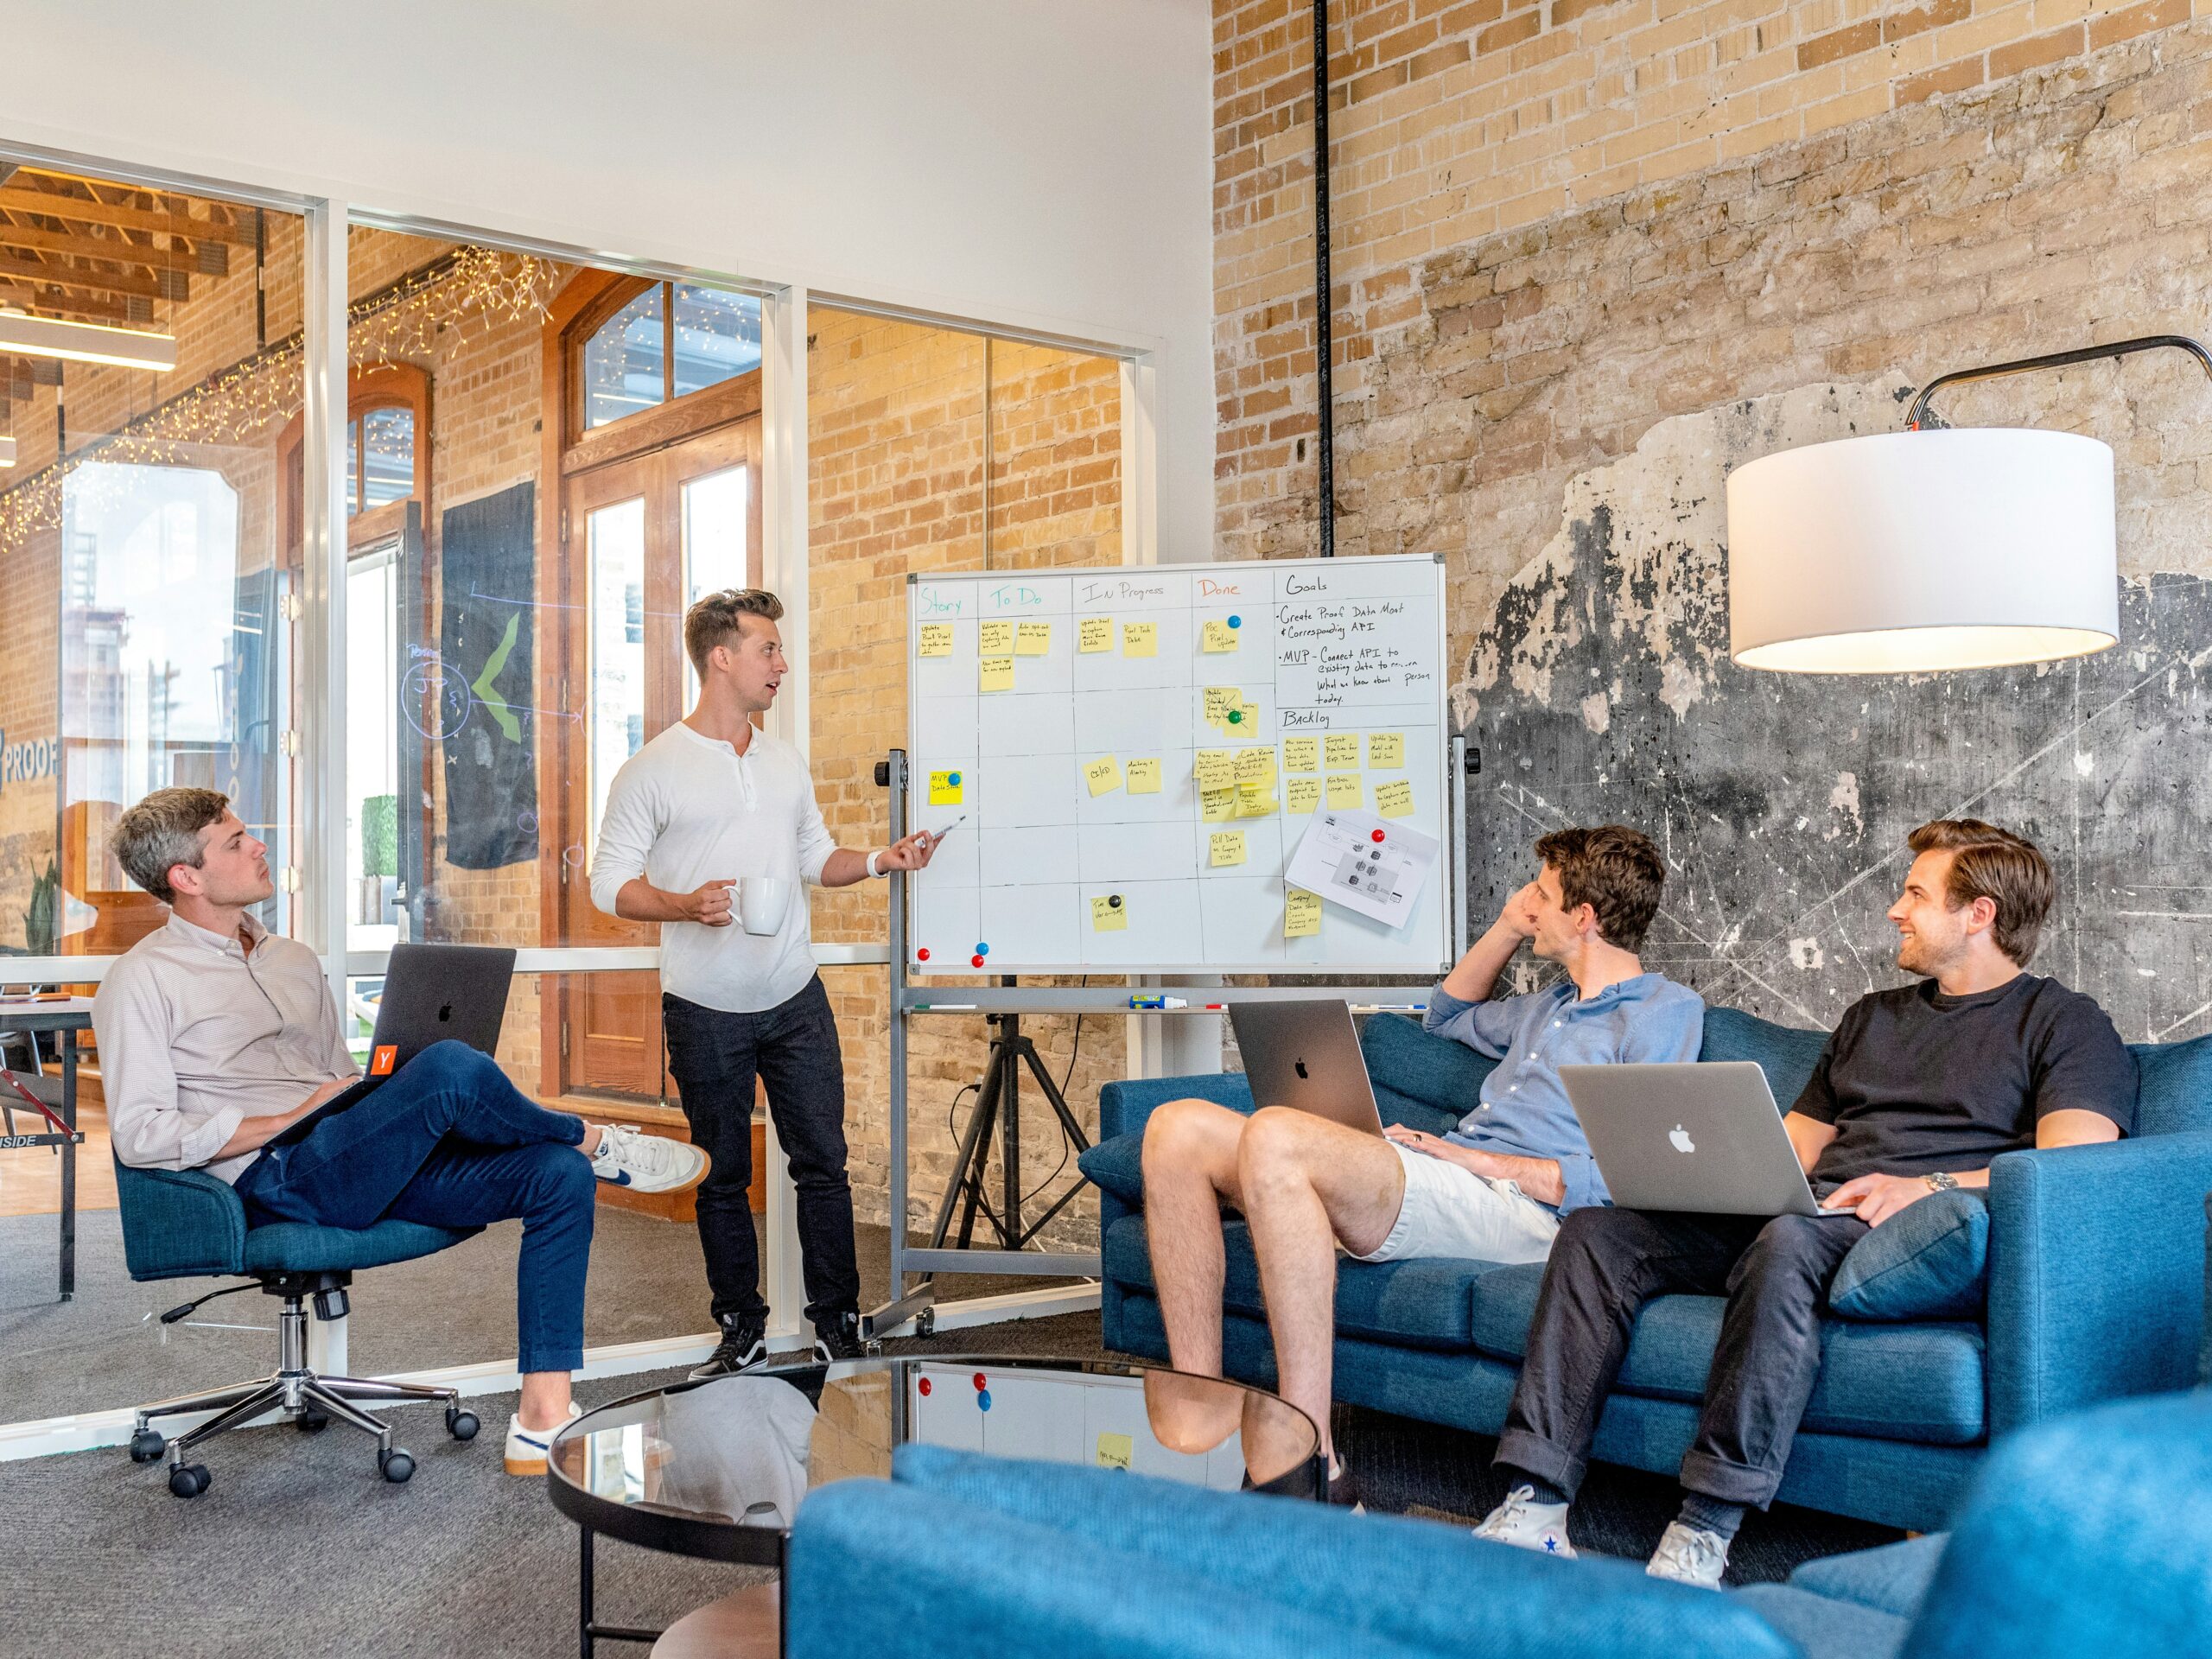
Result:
189,1224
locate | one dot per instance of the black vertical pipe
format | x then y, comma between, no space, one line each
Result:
1324,456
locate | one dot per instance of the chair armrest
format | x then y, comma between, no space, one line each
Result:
179,1223
1123,1106
2096,1273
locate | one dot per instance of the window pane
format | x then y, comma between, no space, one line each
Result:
622,362
717,336
388,470
617,631
714,524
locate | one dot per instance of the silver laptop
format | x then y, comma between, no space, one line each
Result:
1701,1136
1306,1055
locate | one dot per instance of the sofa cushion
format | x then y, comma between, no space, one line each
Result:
1931,1261
1786,1053
1422,1080
1117,1166
1420,1303
2174,1086
1921,1383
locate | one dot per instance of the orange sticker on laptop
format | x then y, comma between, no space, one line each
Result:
382,1061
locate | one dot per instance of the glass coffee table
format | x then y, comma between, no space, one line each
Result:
717,1469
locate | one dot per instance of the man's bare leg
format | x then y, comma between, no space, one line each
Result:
1190,1168
1307,1184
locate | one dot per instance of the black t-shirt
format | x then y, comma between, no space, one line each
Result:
1917,1082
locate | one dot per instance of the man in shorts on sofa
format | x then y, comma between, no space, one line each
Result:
1494,1189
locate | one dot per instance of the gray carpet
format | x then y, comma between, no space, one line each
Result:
105,1349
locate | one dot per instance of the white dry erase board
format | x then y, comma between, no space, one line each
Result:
1138,750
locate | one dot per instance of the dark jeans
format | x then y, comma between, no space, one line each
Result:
792,1048
1606,1264
449,1142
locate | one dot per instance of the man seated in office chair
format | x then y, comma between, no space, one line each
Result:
215,1035
1919,1088
1495,1189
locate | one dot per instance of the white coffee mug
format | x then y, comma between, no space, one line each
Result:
761,901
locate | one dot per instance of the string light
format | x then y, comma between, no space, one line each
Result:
473,291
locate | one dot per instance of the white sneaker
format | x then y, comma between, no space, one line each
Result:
1527,1524
646,1163
526,1447
1690,1554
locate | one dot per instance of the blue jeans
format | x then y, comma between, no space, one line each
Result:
449,1142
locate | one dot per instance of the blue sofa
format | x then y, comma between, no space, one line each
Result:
2096,1254
2091,1536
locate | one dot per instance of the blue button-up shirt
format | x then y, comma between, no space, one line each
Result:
1524,1110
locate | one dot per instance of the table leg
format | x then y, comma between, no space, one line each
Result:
68,1165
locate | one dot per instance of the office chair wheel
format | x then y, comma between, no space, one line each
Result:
189,1479
311,1421
461,1424
147,1446
396,1465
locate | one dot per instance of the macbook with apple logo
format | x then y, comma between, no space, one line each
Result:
432,993
1704,1136
1305,1054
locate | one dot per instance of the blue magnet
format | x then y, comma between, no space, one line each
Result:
983,1399
983,950
955,780
1236,621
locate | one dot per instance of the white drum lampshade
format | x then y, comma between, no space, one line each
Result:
1911,552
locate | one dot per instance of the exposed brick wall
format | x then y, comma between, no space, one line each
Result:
1685,153
896,446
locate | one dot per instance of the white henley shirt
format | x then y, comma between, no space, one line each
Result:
686,811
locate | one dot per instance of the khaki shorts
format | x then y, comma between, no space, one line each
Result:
1449,1210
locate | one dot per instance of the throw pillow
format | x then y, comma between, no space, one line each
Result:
1931,1261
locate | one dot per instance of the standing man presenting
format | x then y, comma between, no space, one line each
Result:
710,802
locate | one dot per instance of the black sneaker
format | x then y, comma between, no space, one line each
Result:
744,1345
839,1339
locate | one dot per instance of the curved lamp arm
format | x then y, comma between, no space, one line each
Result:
1921,415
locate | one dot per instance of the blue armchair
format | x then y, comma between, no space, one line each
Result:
2094,1281
188,1224
2092,1534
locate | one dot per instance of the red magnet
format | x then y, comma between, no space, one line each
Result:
1378,834
922,955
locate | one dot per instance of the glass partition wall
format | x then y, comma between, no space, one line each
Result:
415,668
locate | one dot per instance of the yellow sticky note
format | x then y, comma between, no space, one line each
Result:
1109,914
936,640
1214,769
1103,775
1255,766
1095,634
1302,794
995,673
995,638
1143,777
1033,640
1139,639
1116,1451
1386,749
1394,800
1218,636
1301,913
1343,749
1302,754
1254,800
1218,805
946,788
1228,847
1344,792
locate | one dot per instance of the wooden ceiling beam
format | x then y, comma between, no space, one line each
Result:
19,197
160,284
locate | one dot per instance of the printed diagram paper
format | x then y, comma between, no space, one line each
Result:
1339,858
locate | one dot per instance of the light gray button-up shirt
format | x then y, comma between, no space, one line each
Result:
196,1036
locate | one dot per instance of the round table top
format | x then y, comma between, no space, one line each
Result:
717,1468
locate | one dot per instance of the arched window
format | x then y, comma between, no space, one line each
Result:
664,341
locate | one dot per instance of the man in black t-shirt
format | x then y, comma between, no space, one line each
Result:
1919,1089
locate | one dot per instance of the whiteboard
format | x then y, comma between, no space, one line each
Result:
1022,685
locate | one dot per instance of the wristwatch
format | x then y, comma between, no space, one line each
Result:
1939,1182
